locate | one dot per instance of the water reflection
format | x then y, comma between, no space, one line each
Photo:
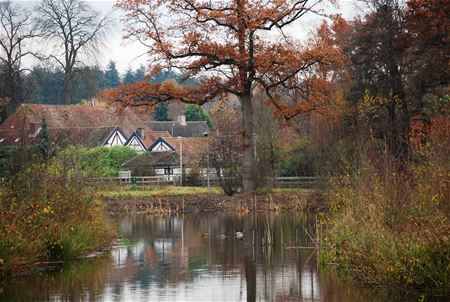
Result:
195,257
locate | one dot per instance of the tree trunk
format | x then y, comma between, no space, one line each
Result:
248,184
68,88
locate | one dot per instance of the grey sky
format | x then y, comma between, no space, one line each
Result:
127,54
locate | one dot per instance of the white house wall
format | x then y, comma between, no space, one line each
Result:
117,139
161,147
136,145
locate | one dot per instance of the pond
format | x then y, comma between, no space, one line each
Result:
196,257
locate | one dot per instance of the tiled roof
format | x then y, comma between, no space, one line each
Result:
149,137
194,148
87,137
174,128
91,126
74,120
194,151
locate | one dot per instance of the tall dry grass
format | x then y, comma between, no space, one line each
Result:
49,212
390,226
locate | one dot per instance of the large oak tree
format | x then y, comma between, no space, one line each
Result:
230,49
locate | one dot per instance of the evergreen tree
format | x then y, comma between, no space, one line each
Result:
43,145
111,76
139,74
161,112
128,77
165,75
196,113
45,85
87,83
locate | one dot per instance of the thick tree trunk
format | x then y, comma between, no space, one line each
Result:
248,184
68,88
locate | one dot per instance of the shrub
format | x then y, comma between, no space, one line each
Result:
48,212
391,228
101,161
196,113
300,160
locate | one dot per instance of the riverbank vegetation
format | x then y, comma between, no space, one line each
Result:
49,213
392,228
101,161
292,201
383,139
123,192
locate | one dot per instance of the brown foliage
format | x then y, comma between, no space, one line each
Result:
223,45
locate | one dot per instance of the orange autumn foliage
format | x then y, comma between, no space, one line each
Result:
224,46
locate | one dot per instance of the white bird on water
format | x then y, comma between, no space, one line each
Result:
239,234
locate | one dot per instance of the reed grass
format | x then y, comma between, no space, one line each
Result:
392,228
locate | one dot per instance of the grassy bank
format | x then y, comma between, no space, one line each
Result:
132,192
392,229
48,213
192,199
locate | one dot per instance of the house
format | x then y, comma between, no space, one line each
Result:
141,139
73,124
152,164
90,126
115,138
165,154
161,145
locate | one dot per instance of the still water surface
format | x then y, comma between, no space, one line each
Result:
195,257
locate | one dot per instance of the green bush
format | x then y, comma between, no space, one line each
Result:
196,113
300,160
101,161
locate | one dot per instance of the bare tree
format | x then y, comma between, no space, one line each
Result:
225,151
77,31
16,29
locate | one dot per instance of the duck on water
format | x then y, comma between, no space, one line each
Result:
239,234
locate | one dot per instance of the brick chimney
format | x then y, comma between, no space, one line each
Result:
182,120
141,132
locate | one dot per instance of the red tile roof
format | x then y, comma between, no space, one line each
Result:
194,148
25,122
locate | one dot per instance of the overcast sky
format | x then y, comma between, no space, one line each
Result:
127,54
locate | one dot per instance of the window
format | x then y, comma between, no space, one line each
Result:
168,171
2,140
17,140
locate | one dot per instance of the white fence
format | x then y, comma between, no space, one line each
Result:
279,182
139,180
300,182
